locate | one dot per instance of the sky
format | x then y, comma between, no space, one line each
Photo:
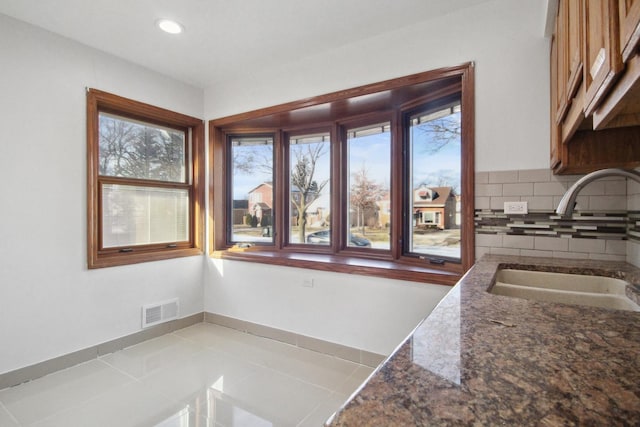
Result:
373,152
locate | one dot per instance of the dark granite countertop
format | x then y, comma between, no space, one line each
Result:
482,359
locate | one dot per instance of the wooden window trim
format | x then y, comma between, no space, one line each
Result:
278,119
99,101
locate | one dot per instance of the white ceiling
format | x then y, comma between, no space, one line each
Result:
223,37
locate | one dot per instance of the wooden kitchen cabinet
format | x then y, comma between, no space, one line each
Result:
560,103
574,42
567,92
601,50
621,107
569,69
595,95
567,43
629,17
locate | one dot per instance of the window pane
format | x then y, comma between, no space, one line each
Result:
309,184
369,201
435,178
133,149
252,189
142,215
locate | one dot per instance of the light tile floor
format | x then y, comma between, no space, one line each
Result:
203,375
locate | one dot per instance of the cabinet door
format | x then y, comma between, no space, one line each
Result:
621,108
561,63
555,137
629,13
574,46
571,75
601,54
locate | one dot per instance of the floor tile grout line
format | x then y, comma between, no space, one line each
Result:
315,408
86,402
293,346
190,340
251,334
290,375
328,396
13,418
49,375
200,348
118,369
348,378
75,405
170,398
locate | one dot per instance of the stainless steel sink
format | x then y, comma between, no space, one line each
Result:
593,291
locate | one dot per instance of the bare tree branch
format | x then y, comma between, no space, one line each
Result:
133,150
364,194
302,180
254,158
440,132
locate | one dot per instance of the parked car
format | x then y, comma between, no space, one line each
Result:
324,238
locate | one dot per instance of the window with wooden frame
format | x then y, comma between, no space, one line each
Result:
145,178
373,180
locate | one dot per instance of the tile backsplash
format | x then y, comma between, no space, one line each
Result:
605,224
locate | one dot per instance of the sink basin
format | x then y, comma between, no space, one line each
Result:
593,291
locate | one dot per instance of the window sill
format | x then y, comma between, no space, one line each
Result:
136,258
345,264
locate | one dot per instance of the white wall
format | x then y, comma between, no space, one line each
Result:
370,313
50,304
505,40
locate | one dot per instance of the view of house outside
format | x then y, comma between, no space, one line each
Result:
252,189
435,151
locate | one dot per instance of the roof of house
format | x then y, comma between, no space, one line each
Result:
440,197
260,185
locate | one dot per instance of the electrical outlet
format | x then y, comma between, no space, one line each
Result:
515,208
307,282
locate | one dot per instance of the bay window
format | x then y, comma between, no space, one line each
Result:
374,180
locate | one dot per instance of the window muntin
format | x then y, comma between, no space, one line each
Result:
309,189
252,192
434,198
144,182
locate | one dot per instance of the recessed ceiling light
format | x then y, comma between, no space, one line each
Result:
169,26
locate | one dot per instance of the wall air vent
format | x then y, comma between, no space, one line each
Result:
153,314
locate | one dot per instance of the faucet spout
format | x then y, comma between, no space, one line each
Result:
568,201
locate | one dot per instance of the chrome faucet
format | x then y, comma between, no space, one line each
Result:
568,201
